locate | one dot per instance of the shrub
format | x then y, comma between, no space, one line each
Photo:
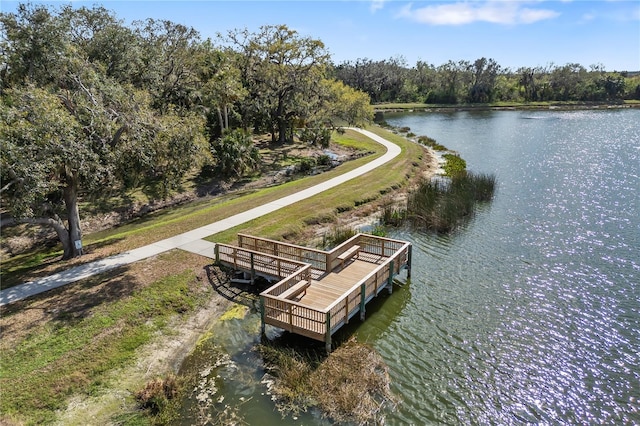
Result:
323,160
157,394
306,164
316,136
454,165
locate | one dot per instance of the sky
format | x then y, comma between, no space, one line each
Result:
516,33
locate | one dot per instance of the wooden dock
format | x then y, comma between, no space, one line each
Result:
318,291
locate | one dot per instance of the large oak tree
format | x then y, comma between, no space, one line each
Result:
78,120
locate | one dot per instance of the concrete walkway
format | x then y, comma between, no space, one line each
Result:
191,241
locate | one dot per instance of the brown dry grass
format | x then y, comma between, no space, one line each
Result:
351,385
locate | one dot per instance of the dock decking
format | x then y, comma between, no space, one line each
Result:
332,286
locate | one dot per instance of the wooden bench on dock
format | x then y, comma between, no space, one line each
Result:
295,290
353,251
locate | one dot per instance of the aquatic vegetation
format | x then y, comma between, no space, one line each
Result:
454,165
351,385
440,204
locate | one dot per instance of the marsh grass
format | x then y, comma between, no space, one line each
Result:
441,205
350,386
337,235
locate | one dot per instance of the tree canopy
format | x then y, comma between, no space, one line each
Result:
92,107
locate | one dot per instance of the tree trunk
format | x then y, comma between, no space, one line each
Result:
73,218
282,131
226,117
220,121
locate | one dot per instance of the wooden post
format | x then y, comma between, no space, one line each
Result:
409,256
363,298
327,335
216,251
235,258
290,318
346,309
390,281
262,313
253,269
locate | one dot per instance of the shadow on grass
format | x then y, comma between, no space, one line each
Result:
69,304
237,292
45,262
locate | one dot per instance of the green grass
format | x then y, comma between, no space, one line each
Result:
71,354
289,222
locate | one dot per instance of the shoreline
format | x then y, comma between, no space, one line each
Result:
550,106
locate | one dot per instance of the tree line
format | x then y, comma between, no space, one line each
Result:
91,107
484,81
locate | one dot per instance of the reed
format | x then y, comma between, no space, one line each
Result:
337,235
441,205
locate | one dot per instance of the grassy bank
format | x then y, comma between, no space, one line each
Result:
291,223
69,341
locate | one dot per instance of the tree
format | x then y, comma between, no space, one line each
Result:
69,129
346,104
281,72
485,72
222,85
235,154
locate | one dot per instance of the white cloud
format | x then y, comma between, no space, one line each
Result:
376,5
461,13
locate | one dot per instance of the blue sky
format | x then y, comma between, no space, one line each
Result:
514,33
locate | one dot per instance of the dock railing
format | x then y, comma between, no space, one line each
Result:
316,258
320,324
257,262
354,300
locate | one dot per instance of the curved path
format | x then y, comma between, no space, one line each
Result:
192,240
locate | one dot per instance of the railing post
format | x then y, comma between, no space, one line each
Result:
216,251
390,281
363,299
327,335
253,269
235,258
290,318
409,257
346,309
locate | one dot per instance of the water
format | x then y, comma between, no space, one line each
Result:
531,312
